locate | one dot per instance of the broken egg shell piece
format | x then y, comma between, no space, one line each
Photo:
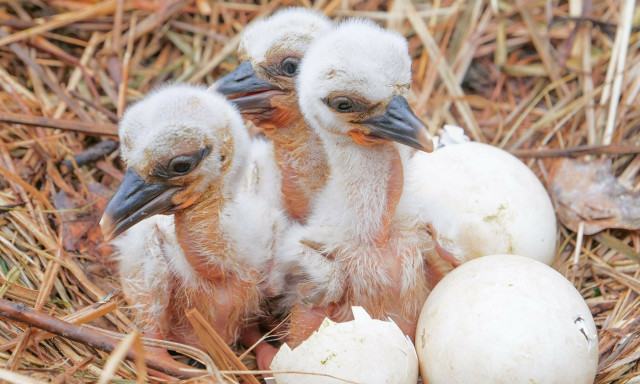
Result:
360,351
450,135
506,319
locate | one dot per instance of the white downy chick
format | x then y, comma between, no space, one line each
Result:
263,87
356,249
187,152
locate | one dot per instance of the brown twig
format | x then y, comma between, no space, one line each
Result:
68,125
80,316
93,153
613,150
21,313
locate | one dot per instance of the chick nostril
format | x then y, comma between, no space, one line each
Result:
244,71
240,76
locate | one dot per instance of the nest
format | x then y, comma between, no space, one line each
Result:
544,80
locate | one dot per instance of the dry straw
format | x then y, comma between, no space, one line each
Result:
543,79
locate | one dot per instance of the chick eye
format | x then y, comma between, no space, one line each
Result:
289,66
342,104
182,165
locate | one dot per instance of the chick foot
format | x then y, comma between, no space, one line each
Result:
264,352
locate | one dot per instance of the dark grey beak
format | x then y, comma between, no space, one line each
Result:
245,88
134,201
400,124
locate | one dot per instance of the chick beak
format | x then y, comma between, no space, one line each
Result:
135,200
245,89
400,124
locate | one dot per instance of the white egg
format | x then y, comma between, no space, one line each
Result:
483,201
363,351
506,319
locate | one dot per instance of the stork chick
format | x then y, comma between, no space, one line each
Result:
263,87
187,152
357,247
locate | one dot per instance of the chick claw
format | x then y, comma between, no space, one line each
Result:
443,253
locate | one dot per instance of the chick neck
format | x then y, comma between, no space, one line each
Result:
299,154
200,230
366,184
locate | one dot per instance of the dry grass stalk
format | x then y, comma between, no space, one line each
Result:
131,341
87,336
617,66
538,80
217,348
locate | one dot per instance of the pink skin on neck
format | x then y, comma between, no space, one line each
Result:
298,152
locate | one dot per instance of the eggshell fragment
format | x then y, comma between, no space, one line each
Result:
484,201
361,351
506,319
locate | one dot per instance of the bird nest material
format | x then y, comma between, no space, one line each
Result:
544,80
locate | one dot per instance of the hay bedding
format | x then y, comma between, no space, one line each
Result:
545,80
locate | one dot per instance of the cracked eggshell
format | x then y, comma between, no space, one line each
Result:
485,201
363,351
506,319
